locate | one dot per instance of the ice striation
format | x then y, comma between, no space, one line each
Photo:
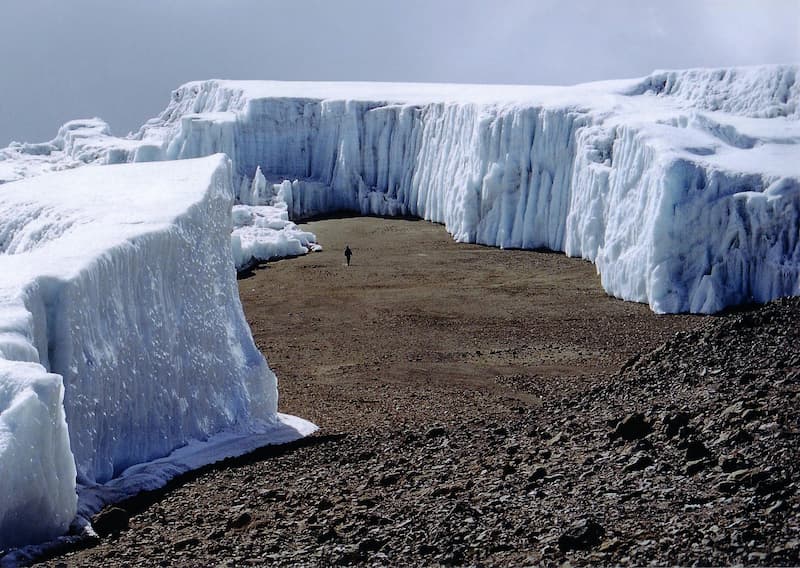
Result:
682,187
125,357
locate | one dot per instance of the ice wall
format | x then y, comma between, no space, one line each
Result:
657,181
118,294
640,177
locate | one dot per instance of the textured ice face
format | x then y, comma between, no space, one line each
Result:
37,494
642,177
657,180
118,296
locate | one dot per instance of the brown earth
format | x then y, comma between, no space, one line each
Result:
418,327
473,410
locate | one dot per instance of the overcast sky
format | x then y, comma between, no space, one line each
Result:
120,59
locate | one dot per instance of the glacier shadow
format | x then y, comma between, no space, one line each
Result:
140,502
354,214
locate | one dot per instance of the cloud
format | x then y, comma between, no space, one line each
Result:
120,60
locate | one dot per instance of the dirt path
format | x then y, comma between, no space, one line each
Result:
418,317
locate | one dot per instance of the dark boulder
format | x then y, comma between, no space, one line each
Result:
583,535
632,427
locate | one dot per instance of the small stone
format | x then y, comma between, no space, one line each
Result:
215,534
777,507
272,494
367,502
632,427
186,543
582,535
740,476
732,463
695,466
737,436
326,535
751,414
435,432
638,463
726,487
537,474
448,490
696,450
425,549
349,555
110,520
685,433
455,557
370,545
389,479
735,409
241,520
609,545
674,422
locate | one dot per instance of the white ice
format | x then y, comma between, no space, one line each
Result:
118,296
264,233
683,187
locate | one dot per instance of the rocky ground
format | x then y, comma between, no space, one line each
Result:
599,434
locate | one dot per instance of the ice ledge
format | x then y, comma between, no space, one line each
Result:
157,473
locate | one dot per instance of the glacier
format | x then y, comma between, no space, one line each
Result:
125,356
683,187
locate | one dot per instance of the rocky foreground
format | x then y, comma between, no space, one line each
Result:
688,455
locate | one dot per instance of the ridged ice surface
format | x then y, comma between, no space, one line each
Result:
122,338
683,187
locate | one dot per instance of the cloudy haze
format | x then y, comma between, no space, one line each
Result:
120,60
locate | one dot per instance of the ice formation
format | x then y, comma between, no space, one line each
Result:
682,187
125,357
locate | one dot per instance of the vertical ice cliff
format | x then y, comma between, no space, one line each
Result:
681,187
643,177
118,297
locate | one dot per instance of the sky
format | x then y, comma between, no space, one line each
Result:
120,60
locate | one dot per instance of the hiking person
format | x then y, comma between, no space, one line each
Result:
347,254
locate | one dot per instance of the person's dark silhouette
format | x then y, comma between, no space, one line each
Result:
347,254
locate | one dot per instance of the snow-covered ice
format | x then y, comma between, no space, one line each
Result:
125,357
262,229
683,187
263,233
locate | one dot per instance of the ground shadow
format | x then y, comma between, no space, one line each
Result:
143,501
